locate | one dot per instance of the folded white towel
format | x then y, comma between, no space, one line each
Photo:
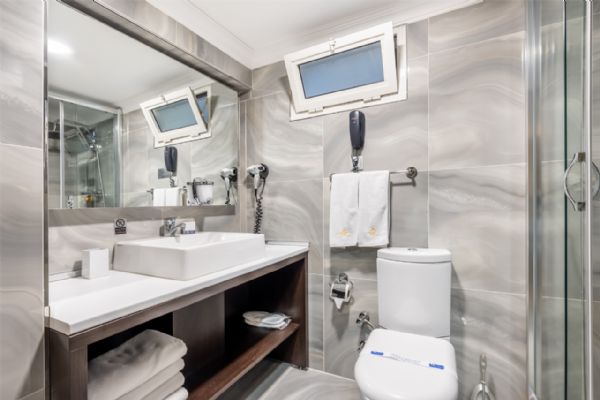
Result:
374,216
155,382
265,319
181,394
121,370
343,214
158,197
172,197
166,389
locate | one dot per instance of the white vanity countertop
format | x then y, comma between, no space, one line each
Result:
78,304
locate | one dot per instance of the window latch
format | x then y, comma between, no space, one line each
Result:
332,45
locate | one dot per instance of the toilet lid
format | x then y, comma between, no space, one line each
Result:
403,366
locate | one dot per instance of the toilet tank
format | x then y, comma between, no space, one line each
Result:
413,287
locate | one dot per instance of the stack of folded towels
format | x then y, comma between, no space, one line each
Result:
265,319
145,367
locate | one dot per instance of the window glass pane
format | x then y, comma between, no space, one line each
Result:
176,115
202,101
342,71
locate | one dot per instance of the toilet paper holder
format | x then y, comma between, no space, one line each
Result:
340,290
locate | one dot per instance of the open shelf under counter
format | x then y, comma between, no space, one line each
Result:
205,314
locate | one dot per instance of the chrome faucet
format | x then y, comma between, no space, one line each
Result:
171,227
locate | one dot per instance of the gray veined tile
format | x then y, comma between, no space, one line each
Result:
22,70
341,334
396,133
552,321
293,211
22,270
494,324
409,209
292,150
477,105
315,321
270,79
479,214
417,39
486,20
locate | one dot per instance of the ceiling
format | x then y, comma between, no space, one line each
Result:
260,32
107,66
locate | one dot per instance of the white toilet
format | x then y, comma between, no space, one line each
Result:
412,359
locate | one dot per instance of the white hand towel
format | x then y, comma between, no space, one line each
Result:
158,197
343,210
167,388
154,383
172,197
374,215
121,370
181,394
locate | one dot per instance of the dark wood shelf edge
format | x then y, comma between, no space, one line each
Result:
237,368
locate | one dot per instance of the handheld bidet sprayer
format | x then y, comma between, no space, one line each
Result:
259,173
229,176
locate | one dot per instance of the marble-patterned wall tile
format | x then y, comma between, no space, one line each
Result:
417,39
409,209
551,230
315,321
22,70
479,214
396,133
293,211
494,324
270,79
486,20
596,343
341,334
66,242
477,105
552,317
21,268
576,349
291,150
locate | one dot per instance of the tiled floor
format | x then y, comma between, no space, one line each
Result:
275,381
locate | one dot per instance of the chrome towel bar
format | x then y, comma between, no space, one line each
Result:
410,172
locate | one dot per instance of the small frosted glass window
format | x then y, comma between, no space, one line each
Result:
202,101
173,116
342,71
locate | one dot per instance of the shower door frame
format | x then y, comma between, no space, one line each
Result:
533,71
118,143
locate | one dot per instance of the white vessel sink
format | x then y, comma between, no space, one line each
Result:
188,256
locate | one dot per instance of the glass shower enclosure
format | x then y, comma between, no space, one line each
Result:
83,154
563,212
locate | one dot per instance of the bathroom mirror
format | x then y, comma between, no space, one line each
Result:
115,105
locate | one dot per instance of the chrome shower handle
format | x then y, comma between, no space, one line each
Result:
577,205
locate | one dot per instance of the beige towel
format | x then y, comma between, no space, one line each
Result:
123,369
155,382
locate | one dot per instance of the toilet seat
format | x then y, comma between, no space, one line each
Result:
403,366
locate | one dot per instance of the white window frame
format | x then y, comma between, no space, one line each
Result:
393,88
357,96
197,131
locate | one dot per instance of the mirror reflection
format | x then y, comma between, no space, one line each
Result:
160,134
